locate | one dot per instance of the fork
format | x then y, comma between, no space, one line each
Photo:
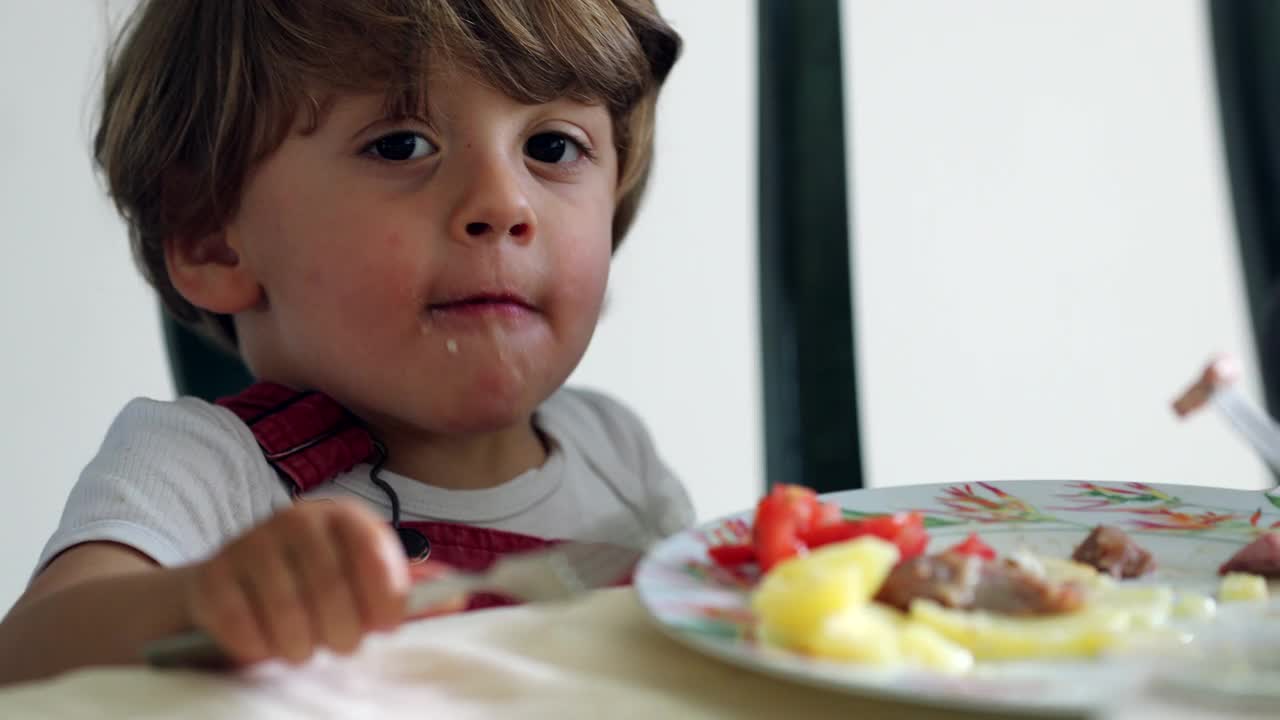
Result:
556,573
1256,428
1215,387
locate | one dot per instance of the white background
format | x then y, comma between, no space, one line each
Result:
1044,249
1043,253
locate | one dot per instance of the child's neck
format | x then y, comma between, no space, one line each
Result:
472,462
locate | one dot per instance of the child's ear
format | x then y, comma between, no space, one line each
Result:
210,274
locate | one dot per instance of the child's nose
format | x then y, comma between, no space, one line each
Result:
494,206
480,230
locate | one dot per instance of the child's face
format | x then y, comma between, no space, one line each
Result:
436,279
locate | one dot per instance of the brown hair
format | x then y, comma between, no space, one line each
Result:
197,91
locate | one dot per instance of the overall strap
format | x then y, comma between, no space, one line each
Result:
306,436
309,439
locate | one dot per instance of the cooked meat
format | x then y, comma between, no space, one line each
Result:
1260,557
1113,552
1008,589
968,582
948,579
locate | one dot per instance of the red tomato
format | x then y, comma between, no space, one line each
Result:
780,517
804,506
912,540
825,514
791,519
833,533
732,555
974,545
905,530
775,532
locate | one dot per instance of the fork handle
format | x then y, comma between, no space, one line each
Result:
189,650
428,594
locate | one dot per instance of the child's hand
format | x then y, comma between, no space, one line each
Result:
317,575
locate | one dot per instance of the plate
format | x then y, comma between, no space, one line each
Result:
1190,530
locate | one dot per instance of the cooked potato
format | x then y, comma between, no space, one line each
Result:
798,596
996,637
1194,606
867,633
923,646
1148,606
875,634
1062,570
1242,587
1065,570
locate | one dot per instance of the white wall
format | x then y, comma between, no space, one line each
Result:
1044,252
83,334
680,339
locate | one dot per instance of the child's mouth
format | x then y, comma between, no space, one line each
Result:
484,301
483,306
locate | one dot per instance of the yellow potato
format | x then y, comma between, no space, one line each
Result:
797,596
923,646
996,637
867,634
875,634
1241,587
1148,606
1063,570
1194,606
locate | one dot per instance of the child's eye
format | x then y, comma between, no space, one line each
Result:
553,147
400,147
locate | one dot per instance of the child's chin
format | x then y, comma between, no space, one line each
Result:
486,415
492,402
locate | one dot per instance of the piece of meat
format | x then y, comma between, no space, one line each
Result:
948,579
1221,372
968,582
1112,551
1009,589
1260,557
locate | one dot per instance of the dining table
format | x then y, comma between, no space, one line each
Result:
595,656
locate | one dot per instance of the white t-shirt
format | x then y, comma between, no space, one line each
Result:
177,480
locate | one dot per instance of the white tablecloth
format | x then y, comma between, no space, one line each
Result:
596,657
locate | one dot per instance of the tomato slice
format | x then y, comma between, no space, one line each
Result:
833,533
780,517
974,545
912,540
791,519
906,530
824,514
732,555
774,533
803,504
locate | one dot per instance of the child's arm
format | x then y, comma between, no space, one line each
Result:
315,575
95,604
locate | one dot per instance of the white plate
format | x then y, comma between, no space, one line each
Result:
1190,531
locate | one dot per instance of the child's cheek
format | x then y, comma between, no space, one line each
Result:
584,266
373,265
